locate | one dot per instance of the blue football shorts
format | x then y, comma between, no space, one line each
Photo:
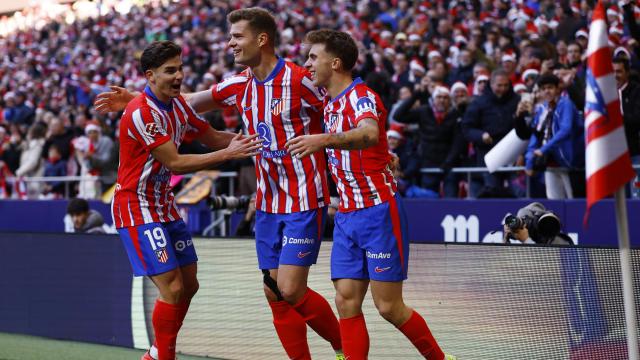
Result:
156,248
289,239
371,243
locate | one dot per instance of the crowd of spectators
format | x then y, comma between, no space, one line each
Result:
457,76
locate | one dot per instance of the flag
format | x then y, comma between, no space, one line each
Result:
608,163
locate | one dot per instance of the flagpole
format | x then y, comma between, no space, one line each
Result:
627,275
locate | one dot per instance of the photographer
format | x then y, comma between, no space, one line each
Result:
534,224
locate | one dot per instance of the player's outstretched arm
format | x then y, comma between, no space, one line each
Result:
114,100
201,101
363,136
240,147
216,140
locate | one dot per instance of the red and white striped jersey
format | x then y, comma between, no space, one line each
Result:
283,106
363,177
143,194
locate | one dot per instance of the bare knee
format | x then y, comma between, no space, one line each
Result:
292,292
393,312
348,305
173,291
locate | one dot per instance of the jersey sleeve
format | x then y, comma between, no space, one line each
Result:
311,95
225,92
197,124
364,104
147,127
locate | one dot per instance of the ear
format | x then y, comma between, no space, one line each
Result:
150,75
336,64
263,39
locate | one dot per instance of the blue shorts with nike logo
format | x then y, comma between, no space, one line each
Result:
289,239
371,243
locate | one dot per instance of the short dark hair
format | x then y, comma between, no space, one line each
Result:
337,43
77,206
548,79
260,21
624,61
158,53
498,73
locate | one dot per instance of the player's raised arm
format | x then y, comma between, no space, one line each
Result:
239,147
201,101
363,136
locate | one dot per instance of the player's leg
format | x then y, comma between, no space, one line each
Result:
350,277
353,328
151,253
289,325
388,255
302,236
387,297
190,287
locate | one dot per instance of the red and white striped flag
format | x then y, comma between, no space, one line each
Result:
608,164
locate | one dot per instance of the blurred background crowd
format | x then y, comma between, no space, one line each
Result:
457,76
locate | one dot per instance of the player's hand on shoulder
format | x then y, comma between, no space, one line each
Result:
305,145
112,101
243,146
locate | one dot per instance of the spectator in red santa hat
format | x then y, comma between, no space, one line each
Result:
460,96
441,142
529,78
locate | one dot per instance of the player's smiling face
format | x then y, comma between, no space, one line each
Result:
244,44
319,63
166,80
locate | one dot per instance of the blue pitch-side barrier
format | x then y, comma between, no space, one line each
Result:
429,220
66,286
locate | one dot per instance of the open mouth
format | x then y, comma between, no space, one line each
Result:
176,87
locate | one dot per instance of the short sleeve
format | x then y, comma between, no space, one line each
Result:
364,105
226,91
148,128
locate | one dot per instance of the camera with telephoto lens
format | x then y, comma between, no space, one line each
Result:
225,202
543,225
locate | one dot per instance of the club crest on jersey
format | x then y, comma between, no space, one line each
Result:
365,104
264,134
162,255
333,122
277,106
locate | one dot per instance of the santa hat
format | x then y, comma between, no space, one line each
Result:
517,88
92,126
414,37
434,53
529,72
416,65
621,50
458,85
482,77
509,56
440,90
582,32
394,134
613,11
616,29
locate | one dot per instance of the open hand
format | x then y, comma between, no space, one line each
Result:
112,101
243,146
305,145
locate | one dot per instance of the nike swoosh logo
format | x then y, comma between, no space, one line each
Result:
246,108
379,270
301,254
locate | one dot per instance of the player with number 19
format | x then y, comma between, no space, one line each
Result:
144,211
